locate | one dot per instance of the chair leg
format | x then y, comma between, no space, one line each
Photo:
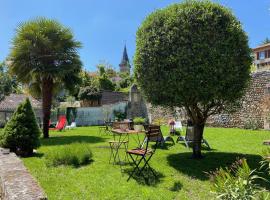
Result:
151,169
144,141
206,143
169,138
136,166
145,163
186,142
112,153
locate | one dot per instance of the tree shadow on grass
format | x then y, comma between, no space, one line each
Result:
62,140
212,161
146,177
37,155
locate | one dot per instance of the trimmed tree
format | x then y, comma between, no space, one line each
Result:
21,133
44,57
194,55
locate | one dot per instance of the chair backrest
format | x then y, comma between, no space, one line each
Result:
178,125
61,122
154,133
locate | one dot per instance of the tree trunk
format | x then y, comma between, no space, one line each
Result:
47,88
197,145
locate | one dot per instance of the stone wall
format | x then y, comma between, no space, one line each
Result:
16,182
164,114
254,105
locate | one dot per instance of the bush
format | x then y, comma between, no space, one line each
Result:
265,163
75,154
21,133
119,115
89,93
236,182
251,124
139,120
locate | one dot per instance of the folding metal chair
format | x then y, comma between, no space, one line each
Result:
190,136
161,139
106,129
146,153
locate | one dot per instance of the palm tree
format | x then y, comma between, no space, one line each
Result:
44,57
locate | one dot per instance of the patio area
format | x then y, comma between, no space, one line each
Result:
179,176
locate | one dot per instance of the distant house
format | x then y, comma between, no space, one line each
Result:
11,102
262,57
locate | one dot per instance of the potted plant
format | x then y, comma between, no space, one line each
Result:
138,123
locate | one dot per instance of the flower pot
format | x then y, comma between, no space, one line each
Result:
138,128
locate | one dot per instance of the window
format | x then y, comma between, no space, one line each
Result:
262,55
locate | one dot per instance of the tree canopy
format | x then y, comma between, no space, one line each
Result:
8,83
195,55
44,57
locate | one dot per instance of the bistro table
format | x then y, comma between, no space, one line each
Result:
121,138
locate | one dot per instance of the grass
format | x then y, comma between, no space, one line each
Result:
180,177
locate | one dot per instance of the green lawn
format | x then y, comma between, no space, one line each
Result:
179,176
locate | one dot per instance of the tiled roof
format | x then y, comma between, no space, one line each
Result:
12,101
261,46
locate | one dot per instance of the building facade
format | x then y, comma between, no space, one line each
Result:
262,57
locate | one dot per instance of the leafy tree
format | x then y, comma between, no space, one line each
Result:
111,72
126,81
194,55
21,133
89,93
106,68
86,79
44,56
265,41
8,83
105,83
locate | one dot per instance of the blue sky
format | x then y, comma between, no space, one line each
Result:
103,26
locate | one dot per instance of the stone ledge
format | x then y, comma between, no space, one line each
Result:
16,182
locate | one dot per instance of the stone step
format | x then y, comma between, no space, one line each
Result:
16,182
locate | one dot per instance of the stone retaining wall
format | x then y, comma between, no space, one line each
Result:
16,182
254,105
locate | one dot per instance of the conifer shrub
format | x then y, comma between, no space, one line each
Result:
21,133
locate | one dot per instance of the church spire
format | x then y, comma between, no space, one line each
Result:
125,65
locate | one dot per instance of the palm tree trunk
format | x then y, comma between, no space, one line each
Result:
47,88
197,145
